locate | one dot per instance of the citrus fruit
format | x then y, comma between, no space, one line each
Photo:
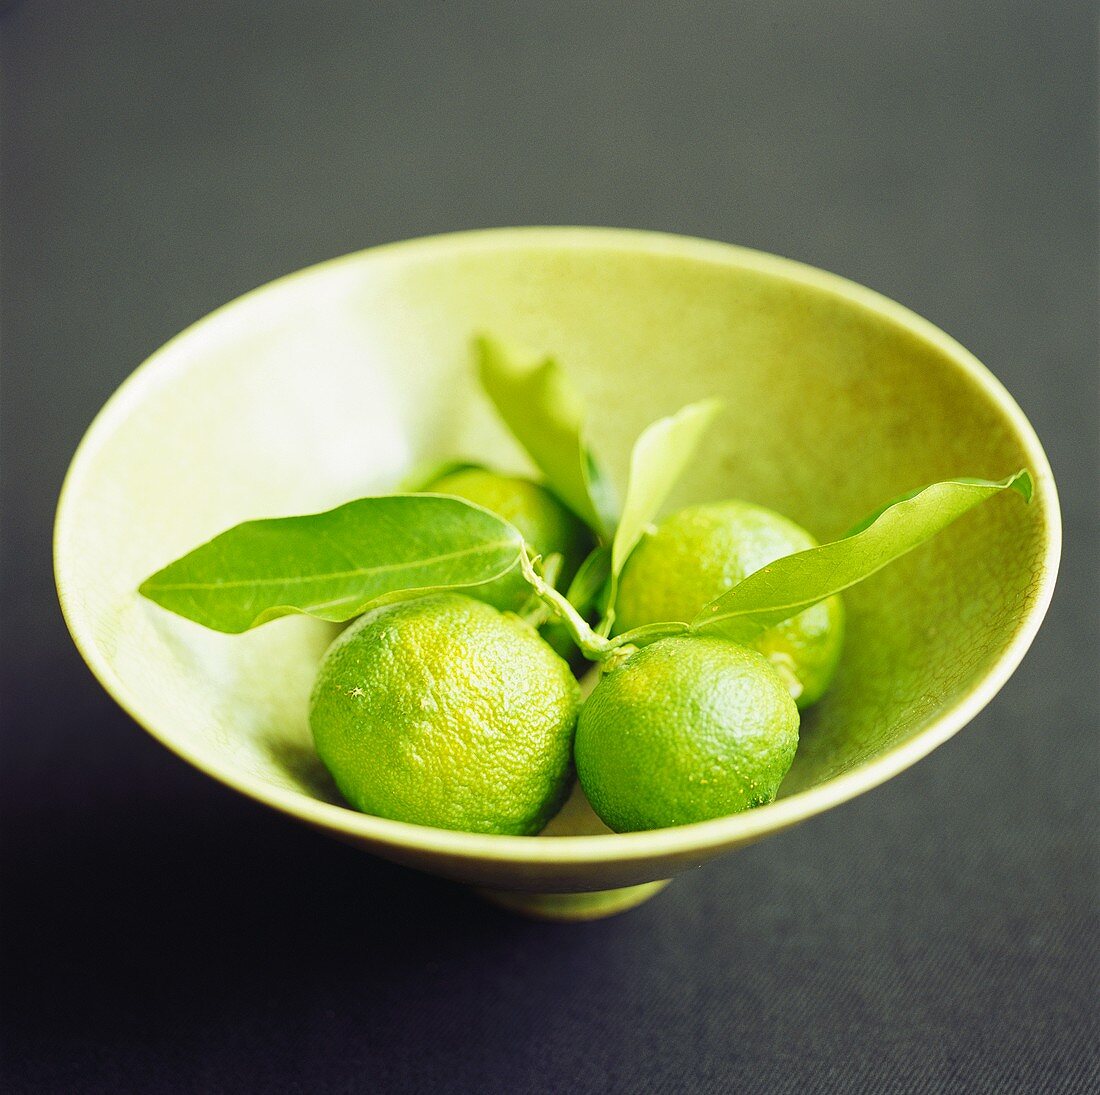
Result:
544,522
685,730
698,553
444,711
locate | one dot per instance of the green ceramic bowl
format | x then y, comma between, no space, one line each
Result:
333,382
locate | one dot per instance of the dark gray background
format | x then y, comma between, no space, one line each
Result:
160,933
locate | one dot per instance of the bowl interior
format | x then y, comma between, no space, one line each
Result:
333,383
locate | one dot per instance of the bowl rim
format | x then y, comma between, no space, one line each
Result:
613,848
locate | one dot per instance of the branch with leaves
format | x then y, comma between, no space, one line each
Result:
337,564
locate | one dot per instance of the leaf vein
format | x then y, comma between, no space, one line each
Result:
381,568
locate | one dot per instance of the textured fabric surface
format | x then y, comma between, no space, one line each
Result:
160,933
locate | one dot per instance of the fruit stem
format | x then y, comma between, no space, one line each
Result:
592,646
649,633
536,611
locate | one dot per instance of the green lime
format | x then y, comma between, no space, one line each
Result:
698,553
545,523
685,730
444,711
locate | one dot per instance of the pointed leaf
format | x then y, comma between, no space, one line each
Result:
332,565
661,453
796,582
547,419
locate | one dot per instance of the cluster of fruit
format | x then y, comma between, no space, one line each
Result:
479,598
446,711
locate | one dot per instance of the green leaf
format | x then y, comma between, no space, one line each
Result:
796,582
661,453
546,417
589,581
332,565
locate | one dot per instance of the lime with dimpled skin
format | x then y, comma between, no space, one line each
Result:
685,730
443,711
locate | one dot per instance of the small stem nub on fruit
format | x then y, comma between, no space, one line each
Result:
617,657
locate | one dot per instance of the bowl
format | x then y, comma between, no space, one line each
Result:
333,382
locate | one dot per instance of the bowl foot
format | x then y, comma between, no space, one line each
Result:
573,906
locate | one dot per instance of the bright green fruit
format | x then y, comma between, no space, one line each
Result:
685,730
544,522
700,552
444,711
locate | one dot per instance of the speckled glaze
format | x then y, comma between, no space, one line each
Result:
335,381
